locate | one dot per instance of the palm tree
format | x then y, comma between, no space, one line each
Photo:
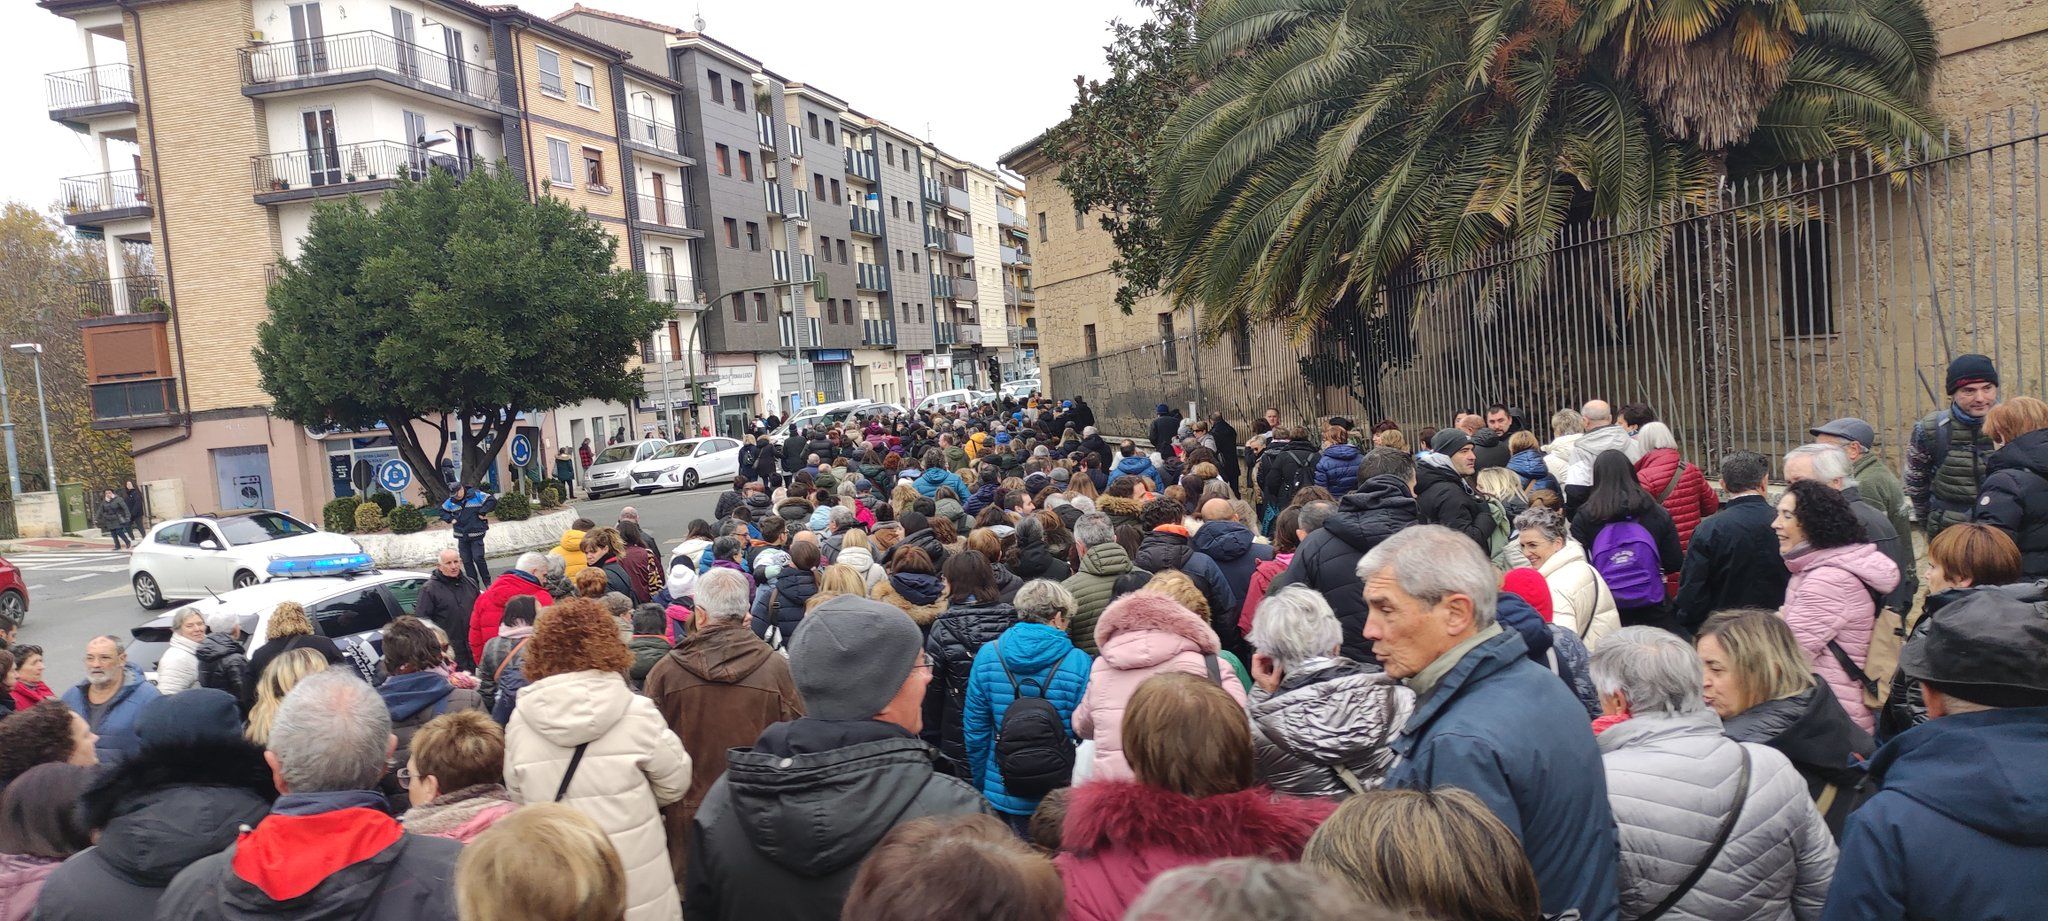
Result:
1334,144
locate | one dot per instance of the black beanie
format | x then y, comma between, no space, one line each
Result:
1968,368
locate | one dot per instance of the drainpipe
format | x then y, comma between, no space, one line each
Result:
156,179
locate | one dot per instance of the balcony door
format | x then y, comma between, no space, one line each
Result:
415,135
458,64
408,51
665,261
660,202
309,42
466,155
323,150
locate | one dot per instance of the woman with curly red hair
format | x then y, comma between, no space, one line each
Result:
582,738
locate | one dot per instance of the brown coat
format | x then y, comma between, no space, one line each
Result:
718,689
923,614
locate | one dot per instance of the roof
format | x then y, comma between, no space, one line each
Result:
1025,152
549,28
615,17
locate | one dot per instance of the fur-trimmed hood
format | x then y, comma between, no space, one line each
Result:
1144,628
1118,505
923,614
1113,815
170,805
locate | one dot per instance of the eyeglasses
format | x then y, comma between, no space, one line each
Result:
405,778
924,660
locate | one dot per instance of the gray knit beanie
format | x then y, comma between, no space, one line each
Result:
851,656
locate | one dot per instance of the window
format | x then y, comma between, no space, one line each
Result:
1088,342
1078,215
1041,227
754,236
406,592
842,251
818,186
732,233
560,172
920,313
593,166
359,611
746,166
723,155
739,96
550,71
811,119
899,260
761,306
891,148
836,191
895,209
1169,356
1242,342
739,302
717,90
586,85
1805,297
831,133
906,311
913,263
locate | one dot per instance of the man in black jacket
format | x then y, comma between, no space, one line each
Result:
1287,464
1327,559
1443,495
1164,427
446,601
1733,560
1080,416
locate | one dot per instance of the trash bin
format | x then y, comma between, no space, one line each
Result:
74,507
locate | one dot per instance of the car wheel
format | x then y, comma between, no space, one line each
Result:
147,593
13,606
244,578
690,478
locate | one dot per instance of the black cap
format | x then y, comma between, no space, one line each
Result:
1966,369
1990,646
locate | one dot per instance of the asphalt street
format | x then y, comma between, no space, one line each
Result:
77,595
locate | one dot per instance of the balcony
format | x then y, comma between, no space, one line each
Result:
102,297
128,367
965,289
969,334
944,333
956,199
87,92
764,132
960,244
878,333
1024,337
664,211
339,170
1014,256
796,335
91,201
802,212
1009,218
871,277
771,197
934,238
280,67
1010,296
796,142
656,137
866,221
778,263
1027,294
942,285
934,192
861,165
121,404
675,290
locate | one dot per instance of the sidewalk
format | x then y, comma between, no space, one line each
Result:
48,544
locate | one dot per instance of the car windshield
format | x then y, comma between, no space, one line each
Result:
255,529
679,449
616,454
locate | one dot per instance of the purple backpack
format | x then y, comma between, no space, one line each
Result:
1625,556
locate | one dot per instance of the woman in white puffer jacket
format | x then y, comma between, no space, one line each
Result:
178,669
1673,781
1579,598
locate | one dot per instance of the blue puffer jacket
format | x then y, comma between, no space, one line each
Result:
1136,465
1337,468
1966,787
467,514
928,483
981,499
116,724
1528,464
1036,654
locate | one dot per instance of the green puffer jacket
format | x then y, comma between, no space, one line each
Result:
1093,587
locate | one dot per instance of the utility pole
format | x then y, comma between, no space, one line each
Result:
696,329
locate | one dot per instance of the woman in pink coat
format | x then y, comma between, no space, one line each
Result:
1140,635
1837,577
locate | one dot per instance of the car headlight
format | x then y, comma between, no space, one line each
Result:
672,468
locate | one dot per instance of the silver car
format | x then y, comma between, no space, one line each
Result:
611,470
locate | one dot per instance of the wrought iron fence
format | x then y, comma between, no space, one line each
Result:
373,52
85,87
1819,291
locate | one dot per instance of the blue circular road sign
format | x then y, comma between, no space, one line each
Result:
394,475
522,450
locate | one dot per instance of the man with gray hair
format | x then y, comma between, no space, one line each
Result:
111,697
1601,436
327,849
1310,699
1105,573
1830,465
718,689
1674,782
527,576
1381,505
1487,719
446,600
840,519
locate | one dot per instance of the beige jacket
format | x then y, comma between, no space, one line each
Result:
1578,592
633,766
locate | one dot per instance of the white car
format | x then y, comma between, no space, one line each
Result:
821,414
1020,389
209,554
685,464
947,399
611,470
350,608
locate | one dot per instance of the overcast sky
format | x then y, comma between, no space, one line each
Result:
984,77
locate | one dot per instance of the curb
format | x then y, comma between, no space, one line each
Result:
506,538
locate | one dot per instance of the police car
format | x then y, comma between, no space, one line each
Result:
347,597
204,555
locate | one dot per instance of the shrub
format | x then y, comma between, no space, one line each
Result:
551,497
385,502
514,506
369,518
339,515
408,519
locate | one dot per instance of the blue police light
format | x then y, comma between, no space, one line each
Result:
302,567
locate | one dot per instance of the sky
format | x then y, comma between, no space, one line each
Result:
977,78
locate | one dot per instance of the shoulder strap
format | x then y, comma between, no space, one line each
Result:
499,672
1672,486
1348,778
1720,841
1849,666
576,758
1215,668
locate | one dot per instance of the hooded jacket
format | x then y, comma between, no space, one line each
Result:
1443,497
490,606
1255,592
414,699
782,834
1511,733
1093,588
954,639
1280,471
1169,547
1045,664
1529,465
1733,562
570,549
1327,560
1957,828
928,482
1231,547
1671,784
1327,713
1489,449
781,603
921,596
1579,599
859,559
1337,468
1135,465
632,766
1690,501
1035,561
116,723
1164,427
1121,511
1120,835
717,690
1829,600
1815,734
223,666
2014,498
1585,448
1141,634
156,815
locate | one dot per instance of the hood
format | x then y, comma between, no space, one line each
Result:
1106,560
1520,616
1486,438
917,587
1371,513
572,542
1980,769
815,807
1810,728
724,654
1033,648
1528,463
1436,469
1656,729
217,646
1145,628
1335,712
936,476
795,585
573,708
688,551
2028,452
1118,505
1121,815
406,695
1223,541
1135,464
857,557
160,812
1343,453
1607,438
1864,561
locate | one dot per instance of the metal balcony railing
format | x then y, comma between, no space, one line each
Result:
942,285
965,289
368,52
878,332
671,289
944,333
133,294
1010,298
934,237
861,163
665,211
778,263
153,396
88,87
771,196
342,164
956,199
970,334
1024,336
866,221
101,192
802,211
798,336
1014,256
1007,217
764,130
871,277
655,135
934,191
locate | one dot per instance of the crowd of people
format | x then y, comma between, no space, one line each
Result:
990,663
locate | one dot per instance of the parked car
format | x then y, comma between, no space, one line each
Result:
1020,389
611,470
198,557
684,464
351,607
821,414
947,399
13,593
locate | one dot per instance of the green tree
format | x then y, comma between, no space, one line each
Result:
454,306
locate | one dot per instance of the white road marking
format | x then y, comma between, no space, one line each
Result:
35,588
81,576
110,593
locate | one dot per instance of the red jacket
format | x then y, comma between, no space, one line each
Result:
1690,502
490,606
1119,835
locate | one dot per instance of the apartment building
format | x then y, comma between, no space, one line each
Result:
1020,299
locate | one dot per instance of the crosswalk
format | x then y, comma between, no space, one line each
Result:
40,569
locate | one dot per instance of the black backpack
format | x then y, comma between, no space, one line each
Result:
1034,752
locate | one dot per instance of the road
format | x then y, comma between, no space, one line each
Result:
77,595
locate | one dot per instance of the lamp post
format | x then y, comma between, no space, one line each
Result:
7,432
690,349
34,350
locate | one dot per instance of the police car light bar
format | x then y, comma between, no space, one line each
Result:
301,567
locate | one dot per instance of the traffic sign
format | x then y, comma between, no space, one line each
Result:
394,475
522,450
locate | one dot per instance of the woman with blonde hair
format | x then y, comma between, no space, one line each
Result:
544,862
1505,497
288,627
856,554
1436,853
1182,589
1391,438
837,580
278,680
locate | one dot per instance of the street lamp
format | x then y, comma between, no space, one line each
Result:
34,351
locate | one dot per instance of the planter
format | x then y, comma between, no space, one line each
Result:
420,550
